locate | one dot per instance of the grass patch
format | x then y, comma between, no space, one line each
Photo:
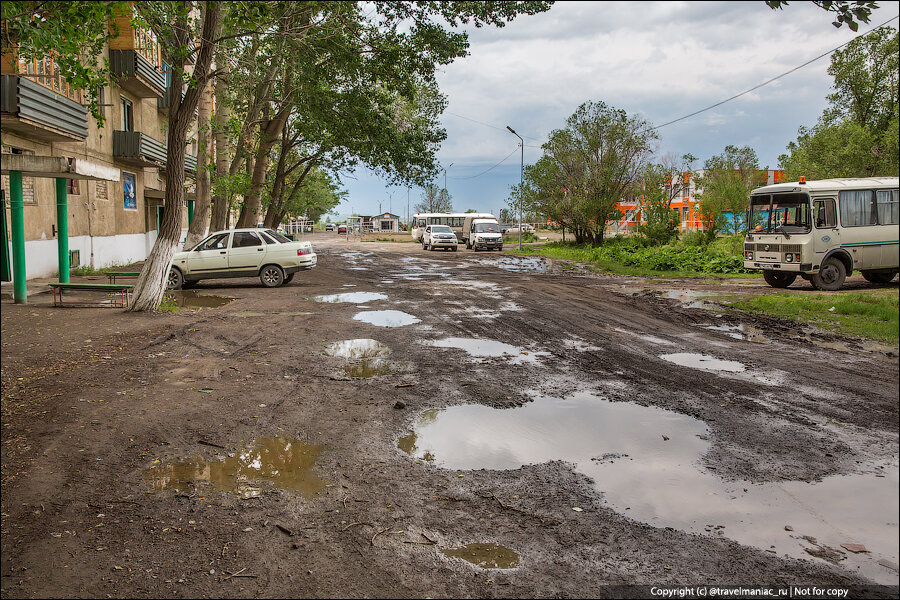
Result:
384,239
168,304
870,314
626,256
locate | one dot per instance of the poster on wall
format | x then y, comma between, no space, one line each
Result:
128,190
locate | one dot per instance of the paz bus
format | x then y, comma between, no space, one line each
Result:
454,220
824,230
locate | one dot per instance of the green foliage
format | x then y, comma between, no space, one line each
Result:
857,135
586,169
726,182
73,32
168,303
434,200
848,12
661,185
527,238
637,258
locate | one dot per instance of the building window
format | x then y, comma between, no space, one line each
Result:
127,115
72,187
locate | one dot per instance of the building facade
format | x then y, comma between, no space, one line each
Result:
109,223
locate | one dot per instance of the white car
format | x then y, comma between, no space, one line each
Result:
439,236
261,253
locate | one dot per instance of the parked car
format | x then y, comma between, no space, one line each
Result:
329,226
342,229
262,253
439,236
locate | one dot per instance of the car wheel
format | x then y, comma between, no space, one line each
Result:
468,246
831,275
499,248
271,276
779,279
289,278
881,277
454,248
175,279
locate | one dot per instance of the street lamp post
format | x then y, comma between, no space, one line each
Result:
445,179
521,179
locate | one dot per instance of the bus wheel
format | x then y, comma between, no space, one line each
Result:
831,275
881,277
779,279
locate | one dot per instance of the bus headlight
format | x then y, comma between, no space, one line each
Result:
789,258
748,255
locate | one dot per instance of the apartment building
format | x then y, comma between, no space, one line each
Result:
109,222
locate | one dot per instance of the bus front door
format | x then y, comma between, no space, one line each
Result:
827,234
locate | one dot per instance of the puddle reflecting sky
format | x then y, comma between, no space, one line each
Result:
484,348
386,318
703,361
646,463
284,463
354,297
192,299
356,349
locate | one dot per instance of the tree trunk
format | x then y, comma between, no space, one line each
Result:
270,132
221,200
151,284
200,224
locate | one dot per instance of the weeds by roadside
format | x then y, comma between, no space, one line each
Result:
870,314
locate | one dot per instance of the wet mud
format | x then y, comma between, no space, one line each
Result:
475,430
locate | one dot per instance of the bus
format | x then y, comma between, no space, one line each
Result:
824,230
454,220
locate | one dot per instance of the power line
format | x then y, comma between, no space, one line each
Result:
490,169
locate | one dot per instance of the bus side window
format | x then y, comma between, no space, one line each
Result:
825,213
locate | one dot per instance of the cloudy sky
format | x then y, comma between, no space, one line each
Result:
657,60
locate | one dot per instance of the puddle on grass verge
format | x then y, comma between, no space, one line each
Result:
480,348
386,318
192,299
645,462
486,556
279,461
353,297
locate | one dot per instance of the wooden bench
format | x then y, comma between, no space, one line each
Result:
111,275
122,293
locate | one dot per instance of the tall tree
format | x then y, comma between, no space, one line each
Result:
434,200
856,136
587,169
725,184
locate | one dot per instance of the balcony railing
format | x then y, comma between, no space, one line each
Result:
38,111
135,74
137,148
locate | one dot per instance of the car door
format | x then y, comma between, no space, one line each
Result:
210,256
247,252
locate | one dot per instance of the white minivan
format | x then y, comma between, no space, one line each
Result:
480,233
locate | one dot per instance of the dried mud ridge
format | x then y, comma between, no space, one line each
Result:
92,398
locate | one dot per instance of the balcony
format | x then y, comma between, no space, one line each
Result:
135,74
36,111
139,149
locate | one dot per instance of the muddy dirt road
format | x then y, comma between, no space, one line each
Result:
402,423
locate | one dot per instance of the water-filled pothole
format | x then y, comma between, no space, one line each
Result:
703,361
192,299
278,461
386,318
740,332
645,461
357,349
486,556
354,297
483,348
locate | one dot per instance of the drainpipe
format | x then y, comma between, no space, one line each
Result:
17,217
62,226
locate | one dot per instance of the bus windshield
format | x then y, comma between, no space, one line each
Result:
779,213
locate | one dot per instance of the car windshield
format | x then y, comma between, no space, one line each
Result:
486,228
441,229
771,213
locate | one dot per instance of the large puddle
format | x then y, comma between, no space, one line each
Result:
386,318
192,299
704,362
369,357
480,348
354,297
276,461
646,463
486,556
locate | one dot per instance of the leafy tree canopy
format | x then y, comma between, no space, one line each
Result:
848,12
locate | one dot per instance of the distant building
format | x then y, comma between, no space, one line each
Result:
386,222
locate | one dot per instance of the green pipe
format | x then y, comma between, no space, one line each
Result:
190,211
62,226
20,292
